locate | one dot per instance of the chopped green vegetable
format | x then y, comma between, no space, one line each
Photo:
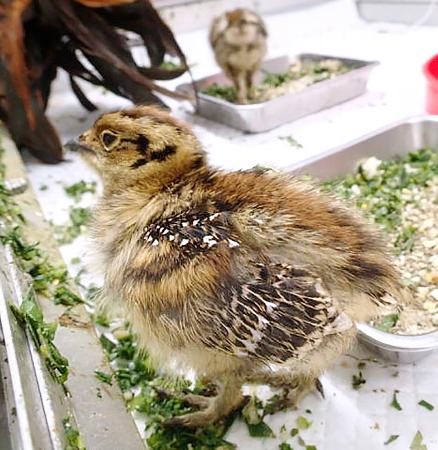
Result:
75,260
395,404
406,239
104,377
72,436
358,381
297,77
77,190
133,370
303,423
260,429
391,438
30,316
64,296
252,414
381,194
426,405
101,319
33,261
227,93
417,442
291,141
45,279
285,446
79,217
294,432
386,323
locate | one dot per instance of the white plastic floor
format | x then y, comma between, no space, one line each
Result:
346,419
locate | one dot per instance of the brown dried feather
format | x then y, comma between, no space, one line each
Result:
12,50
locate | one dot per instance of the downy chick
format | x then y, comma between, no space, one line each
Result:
228,274
238,39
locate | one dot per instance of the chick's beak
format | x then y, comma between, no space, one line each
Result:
79,144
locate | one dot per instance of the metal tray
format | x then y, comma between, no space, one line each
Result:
410,12
394,140
259,117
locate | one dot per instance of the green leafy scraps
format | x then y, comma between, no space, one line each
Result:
395,404
77,190
252,414
72,436
104,377
64,296
133,372
391,438
30,316
303,423
417,442
388,322
291,141
285,446
79,217
381,195
426,405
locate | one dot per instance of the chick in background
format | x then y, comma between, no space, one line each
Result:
238,39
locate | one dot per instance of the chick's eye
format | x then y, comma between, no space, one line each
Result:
108,139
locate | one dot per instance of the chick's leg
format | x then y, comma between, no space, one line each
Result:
241,87
248,78
229,397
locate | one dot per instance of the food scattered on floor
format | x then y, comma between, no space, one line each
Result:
44,279
298,76
77,190
402,196
395,403
78,219
72,435
417,442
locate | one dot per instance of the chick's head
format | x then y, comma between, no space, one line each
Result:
142,143
243,27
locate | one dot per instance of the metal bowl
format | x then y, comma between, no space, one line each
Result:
396,347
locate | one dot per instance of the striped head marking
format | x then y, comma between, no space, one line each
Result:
142,141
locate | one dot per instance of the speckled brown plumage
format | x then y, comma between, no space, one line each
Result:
228,274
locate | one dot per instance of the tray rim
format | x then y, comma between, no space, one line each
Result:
408,120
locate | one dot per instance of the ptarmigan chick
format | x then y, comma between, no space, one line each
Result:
228,274
238,39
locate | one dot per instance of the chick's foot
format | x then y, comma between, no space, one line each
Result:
295,389
212,409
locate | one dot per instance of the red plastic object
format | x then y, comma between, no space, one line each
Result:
430,70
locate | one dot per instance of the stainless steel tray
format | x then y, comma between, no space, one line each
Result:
410,12
394,140
259,117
